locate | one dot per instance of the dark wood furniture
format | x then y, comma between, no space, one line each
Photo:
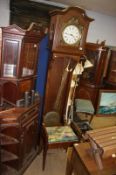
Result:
103,143
18,138
18,61
65,53
19,107
92,78
82,162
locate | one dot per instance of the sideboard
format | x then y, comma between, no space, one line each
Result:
18,138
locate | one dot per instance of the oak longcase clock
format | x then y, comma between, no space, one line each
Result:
68,30
67,37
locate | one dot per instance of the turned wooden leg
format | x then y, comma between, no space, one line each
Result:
69,168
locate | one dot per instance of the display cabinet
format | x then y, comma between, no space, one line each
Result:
97,54
91,79
18,61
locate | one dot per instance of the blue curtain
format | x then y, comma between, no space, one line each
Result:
43,59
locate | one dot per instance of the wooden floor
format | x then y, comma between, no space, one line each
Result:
55,164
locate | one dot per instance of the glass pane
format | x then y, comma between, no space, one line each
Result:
29,60
10,57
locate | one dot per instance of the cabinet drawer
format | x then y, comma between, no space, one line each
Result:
30,115
30,121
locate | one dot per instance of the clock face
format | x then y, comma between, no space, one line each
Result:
71,34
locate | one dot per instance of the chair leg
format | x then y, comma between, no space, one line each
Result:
45,148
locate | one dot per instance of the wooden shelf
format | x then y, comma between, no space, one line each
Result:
6,170
7,156
7,140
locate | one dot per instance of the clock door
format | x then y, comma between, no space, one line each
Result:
74,21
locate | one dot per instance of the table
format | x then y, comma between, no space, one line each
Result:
80,161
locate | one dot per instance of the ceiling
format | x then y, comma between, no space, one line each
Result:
107,7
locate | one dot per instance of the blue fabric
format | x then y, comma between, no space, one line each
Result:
43,59
42,67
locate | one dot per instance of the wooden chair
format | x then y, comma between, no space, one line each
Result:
57,137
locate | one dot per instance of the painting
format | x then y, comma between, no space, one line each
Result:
107,102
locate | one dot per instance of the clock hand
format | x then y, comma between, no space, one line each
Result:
72,35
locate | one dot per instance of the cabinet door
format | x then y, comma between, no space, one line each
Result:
29,61
111,73
97,55
10,56
30,140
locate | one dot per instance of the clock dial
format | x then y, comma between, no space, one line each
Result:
71,34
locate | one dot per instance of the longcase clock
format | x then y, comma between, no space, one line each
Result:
67,37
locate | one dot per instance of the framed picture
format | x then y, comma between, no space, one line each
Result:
107,102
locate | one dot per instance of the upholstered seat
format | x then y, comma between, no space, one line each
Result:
60,134
85,106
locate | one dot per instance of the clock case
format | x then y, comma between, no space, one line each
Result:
61,19
62,55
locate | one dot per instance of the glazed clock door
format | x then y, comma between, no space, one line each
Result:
68,30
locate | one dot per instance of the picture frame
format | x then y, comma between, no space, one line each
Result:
106,103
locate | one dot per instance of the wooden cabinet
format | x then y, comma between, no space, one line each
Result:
18,136
19,121
92,78
19,61
97,54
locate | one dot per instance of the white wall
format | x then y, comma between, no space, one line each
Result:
4,13
103,28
